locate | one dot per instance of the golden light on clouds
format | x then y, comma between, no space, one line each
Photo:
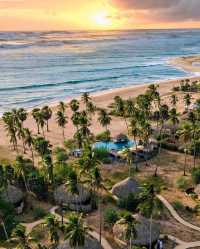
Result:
97,14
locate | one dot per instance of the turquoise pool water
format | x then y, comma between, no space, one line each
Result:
114,146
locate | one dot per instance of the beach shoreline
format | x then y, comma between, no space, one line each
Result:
103,100
187,63
125,92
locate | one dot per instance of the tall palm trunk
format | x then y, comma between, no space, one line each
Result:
194,156
38,129
32,155
184,173
136,155
47,125
5,230
130,242
100,220
63,134
25,183
150,232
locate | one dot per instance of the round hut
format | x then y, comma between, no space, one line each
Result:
14,196
90,243
142,229
197,190
78,202
125,187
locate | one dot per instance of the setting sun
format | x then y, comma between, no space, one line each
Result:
102,19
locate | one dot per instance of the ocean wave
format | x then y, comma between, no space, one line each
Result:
72,82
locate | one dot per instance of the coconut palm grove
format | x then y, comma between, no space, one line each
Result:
139,188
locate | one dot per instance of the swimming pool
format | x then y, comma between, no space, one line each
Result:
114,146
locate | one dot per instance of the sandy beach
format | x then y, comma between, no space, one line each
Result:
101,99
187,63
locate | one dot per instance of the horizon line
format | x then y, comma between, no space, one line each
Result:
97,30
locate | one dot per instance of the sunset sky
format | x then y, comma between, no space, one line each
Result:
98,14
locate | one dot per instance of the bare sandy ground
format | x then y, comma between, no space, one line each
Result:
188,63
102,99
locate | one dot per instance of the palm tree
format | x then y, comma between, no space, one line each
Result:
120,110
84,123
21,135
131,232
97,184
2,223
49,165
62,121
129,159
174,118
104,118
52,225
19,235
149,205
22,115
74,105
35,112
21,169
174,100
62,107
76,119
11,128
90,108
192,118
185,135
75,231
47,114
28,140
41,121
134,131
187,100
85,98
42,146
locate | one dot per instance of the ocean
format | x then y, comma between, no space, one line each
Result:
44,67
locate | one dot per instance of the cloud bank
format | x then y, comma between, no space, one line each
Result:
161,10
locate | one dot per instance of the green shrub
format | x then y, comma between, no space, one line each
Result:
178,205
196,175
169,146
130,203
104,136
182,183
110,217
102,154
39,213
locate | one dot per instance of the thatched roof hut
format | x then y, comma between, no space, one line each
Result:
90,243
142,228
79,201
197,190
12,195
125,187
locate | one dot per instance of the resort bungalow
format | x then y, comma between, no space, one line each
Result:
90,243
14,196
80,201
142,229
197,190
124,188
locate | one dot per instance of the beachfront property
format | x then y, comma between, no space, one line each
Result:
138,188
99,124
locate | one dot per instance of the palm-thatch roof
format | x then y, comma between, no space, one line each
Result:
125,187
142,229
197,190
63,195
90,243
12,195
